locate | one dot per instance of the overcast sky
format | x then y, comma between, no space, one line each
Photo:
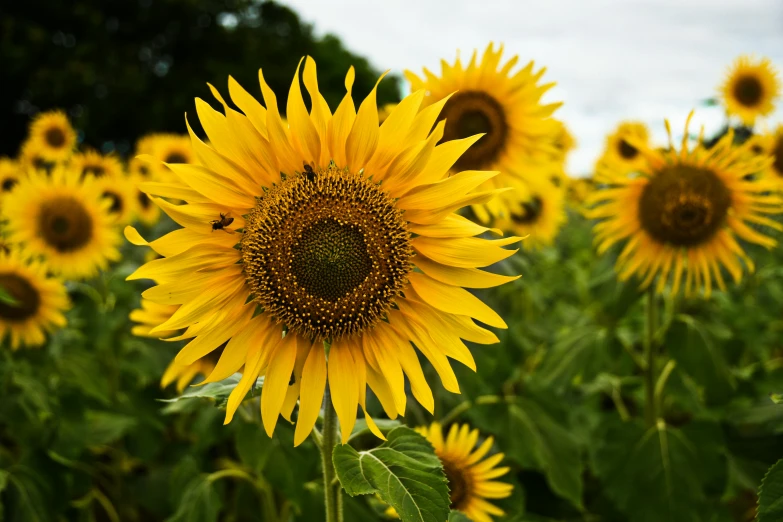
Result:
611,59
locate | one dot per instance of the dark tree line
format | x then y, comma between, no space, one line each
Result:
123,68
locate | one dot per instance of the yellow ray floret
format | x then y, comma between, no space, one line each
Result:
37,301
491,99
682,218
64,220
296,252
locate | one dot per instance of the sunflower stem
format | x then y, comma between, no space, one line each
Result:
328,442
649,356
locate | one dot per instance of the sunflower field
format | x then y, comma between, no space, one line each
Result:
314,298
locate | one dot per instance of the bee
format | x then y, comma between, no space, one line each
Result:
309,172
220,224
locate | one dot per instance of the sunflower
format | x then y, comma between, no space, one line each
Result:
63,220
149,316
10,173
623,145
750,89
684,214
563,142
537,208
298,246
578,189
38,301
53,136
147,212
31,158
503,107
167,149
470,475
138,168
122,195
93,163
770,146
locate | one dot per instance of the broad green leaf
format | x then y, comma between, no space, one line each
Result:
105,427
537,441
385,425
658,473
200,502
215,391
771,495
568,358
29,501
404,471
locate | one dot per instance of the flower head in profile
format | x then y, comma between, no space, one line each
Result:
489,103
318,251
750,89
684,214
34,302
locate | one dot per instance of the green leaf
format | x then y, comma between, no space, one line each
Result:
537,441
771,495
777,398
30,504
659,473
215,391
457,516
106,427
200,502
404,471
360,428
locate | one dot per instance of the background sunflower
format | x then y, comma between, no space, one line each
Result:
750,89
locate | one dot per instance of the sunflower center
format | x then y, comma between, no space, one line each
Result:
530,212
55,137
8,184
627,151
748,91
144,170
326,252
683,205
777,164
95,170
116,202
26,297
144,200
176,157
460,484
64,224
473,112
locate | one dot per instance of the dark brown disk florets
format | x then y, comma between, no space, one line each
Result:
326,252
473,112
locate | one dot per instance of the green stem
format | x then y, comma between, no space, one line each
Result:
661,384
649,356
328,442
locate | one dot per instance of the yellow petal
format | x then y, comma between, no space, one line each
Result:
363,138
342,385
312,393
468,252
464,277
453,300
278,375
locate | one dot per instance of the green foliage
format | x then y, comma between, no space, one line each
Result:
771,495
403,471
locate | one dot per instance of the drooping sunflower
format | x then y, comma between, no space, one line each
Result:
121,193
53,136
10,173
312,226
623,145
93,163
684,214
537,209
750,89
487,98
39,301
63,219
471,477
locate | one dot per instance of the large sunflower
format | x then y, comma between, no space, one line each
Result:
299,239
38,301
684,213
488,99
53,136
93,163
750,89
471,477
537,209
10,174
64,220
622,150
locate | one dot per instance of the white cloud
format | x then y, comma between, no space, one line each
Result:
612,59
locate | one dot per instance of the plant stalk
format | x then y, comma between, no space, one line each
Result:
649,355
329,440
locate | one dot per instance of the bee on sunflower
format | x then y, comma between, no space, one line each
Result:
502,107
63,219
319,239
52,136
34,302
684,214
750,89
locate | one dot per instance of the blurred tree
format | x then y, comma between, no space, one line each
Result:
123,68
